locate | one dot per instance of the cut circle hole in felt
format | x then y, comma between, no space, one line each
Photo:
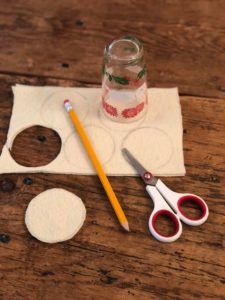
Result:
55,215
36,146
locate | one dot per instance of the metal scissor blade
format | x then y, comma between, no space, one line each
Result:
145,175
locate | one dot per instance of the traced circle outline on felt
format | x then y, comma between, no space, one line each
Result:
149,164
84,161
80,106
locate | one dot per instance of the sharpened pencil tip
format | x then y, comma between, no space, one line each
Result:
126,226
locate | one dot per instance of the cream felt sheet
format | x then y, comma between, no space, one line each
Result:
156,140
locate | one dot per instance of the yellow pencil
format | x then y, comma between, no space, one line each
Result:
95,161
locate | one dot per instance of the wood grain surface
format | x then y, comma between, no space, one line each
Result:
60,43
183,40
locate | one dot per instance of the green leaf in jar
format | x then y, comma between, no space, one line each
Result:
121,80
110,77
141,73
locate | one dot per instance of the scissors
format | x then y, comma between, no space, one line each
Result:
167,203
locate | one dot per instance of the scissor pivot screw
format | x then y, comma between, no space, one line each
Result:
147,176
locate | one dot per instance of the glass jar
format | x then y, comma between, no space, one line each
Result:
124,86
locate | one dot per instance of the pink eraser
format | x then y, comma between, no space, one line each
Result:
66,101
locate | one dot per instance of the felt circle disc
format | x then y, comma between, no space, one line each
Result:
55,215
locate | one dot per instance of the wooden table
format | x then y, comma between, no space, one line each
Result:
57,42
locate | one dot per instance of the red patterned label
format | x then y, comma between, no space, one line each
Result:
133,111
109,108
140,107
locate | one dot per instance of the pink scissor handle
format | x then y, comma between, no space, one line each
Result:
161,208
177,199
